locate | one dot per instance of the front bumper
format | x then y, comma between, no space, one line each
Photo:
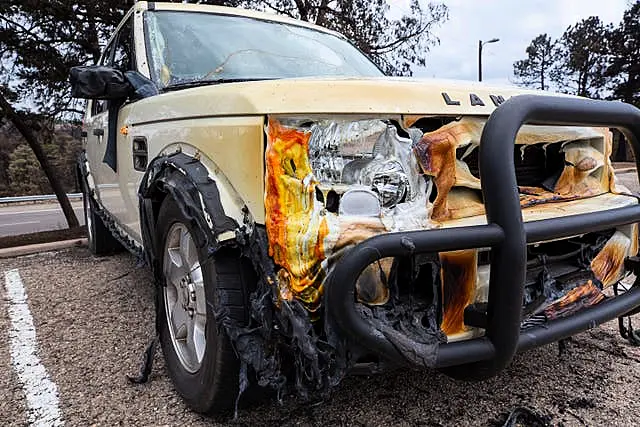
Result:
506,235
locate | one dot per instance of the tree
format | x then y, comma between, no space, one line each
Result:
624,67
24,170
535,71
29,136
7,145
39,42
582,50
43,39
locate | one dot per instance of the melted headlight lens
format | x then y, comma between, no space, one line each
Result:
389,181
366,153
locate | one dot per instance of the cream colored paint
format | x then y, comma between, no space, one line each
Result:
322,95
231,148
229,197
140,44
109,188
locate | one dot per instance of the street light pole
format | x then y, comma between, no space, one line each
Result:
480,44
479,60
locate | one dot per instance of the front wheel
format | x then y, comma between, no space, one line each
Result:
199,355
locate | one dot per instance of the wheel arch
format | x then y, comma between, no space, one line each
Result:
203,193
83,174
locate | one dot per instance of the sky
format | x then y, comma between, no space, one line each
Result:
514,22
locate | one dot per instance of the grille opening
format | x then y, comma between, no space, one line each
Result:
586,246
536,166
413,283
579,249
416,276
554,268
430,124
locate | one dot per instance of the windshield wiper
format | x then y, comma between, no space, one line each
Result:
196,83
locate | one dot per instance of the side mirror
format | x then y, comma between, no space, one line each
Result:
99,82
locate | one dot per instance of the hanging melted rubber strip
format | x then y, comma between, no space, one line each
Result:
111,153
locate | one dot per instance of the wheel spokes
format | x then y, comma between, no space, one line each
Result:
189,342
175,271
201,299
195,339
199,337
179,321
188,250
185,298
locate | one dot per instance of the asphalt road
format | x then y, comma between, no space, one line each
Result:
23,219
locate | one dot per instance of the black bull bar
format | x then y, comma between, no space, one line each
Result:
507,236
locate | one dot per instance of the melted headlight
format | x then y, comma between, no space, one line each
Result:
365,154
389,181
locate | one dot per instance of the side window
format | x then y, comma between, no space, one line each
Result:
98,105
119,54
123,57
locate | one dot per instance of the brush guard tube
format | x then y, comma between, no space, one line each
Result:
505,234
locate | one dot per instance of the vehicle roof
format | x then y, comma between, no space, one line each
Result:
232,11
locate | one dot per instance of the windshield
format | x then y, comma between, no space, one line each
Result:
191,47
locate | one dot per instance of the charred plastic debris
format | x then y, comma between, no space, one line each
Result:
333,183
279,331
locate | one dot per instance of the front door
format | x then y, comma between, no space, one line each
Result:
112,159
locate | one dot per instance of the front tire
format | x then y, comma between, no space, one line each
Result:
198,353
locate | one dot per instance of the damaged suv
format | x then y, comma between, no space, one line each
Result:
305,216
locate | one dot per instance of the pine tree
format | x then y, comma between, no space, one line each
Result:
624,68
582,50
536,70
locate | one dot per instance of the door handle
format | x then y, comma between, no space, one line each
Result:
98,132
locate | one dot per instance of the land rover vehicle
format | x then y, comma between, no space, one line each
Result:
306,216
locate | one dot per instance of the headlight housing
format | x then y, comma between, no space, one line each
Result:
367,155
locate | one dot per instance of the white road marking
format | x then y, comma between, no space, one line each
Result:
37,211
41,393
19,223
28,212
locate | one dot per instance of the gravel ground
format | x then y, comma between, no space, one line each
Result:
94,316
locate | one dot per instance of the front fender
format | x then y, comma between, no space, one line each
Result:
232,203
204,195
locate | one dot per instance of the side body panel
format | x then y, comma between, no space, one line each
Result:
95,147
111,191
231,147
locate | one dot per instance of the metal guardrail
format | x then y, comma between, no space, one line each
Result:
39,198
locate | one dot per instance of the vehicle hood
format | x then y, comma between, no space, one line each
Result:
331,96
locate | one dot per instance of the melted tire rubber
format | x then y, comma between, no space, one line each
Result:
212,389
102,243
